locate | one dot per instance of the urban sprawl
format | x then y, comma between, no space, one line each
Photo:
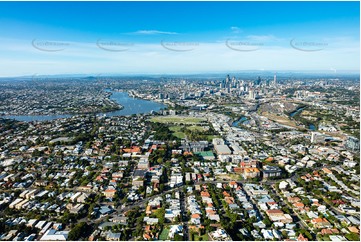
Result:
229,158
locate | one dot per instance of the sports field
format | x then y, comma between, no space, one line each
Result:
177,119
177,133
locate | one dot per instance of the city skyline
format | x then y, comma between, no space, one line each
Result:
187,38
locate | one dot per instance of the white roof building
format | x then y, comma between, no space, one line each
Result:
283,185
53,235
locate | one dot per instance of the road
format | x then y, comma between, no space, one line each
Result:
184,216
140,204
301,222
145,200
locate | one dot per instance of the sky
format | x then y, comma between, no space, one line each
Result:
46,38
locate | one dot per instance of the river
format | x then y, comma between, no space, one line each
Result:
310,126
130,106
298,110
239,121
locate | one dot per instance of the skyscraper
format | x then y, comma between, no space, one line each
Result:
258,81
251,94
228,78
274,79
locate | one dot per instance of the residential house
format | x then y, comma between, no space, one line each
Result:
251,173
109,192
113,236
54,235
321,223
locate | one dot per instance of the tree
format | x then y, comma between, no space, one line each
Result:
37,153
138,230
353,237
160,160
284,234
161,187
141,189
160,215
115,228
267,221
79,231
240,236
308,235
233,217
177,237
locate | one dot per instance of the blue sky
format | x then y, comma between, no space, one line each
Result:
177,37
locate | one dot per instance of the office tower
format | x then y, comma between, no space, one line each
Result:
251,94
274,83
258,81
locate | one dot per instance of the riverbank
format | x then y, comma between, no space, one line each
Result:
239,121
143,97
129,106
296,115
107,105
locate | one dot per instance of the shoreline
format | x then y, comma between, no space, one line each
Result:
133,94
115,107
63,114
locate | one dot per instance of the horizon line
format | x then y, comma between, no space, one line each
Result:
326,72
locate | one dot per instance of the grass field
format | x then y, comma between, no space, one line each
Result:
197,128
280,119
164,234
175,128
181,135
230,177
177,119
211,137
177,133
204,237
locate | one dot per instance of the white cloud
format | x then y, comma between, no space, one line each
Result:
20,58
262,37
236,30
154,32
